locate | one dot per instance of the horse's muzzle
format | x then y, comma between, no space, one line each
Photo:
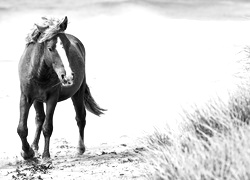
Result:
67,80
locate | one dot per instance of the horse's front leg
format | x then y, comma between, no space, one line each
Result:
22,129
40,117
48,123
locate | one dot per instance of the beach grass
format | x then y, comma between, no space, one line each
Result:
213,143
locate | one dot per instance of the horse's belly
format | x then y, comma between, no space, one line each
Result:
67,92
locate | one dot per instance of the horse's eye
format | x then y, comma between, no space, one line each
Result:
50,49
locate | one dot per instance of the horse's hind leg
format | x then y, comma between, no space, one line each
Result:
40,117
80,117
22,129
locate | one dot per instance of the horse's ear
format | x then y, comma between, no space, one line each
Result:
41,29
64,23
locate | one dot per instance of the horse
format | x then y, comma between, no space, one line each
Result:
43,80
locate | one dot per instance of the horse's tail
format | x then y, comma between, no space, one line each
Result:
90,103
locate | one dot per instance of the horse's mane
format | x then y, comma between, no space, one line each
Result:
52,30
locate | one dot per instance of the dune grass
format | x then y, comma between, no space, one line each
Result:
214,143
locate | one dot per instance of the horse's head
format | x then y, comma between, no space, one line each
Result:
55,55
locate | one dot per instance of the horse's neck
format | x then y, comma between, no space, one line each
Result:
38,67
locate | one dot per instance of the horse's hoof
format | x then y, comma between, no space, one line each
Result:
35,149
46,160
45,156
81,150
28,155
37,154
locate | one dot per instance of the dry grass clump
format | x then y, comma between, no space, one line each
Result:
191,158
214,144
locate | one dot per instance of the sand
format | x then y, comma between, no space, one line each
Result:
144,63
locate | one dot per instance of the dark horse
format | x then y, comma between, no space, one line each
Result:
43,79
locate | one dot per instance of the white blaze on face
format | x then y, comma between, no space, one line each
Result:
63,56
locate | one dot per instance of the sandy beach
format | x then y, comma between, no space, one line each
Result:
144,63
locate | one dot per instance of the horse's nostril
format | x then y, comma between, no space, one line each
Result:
62,76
